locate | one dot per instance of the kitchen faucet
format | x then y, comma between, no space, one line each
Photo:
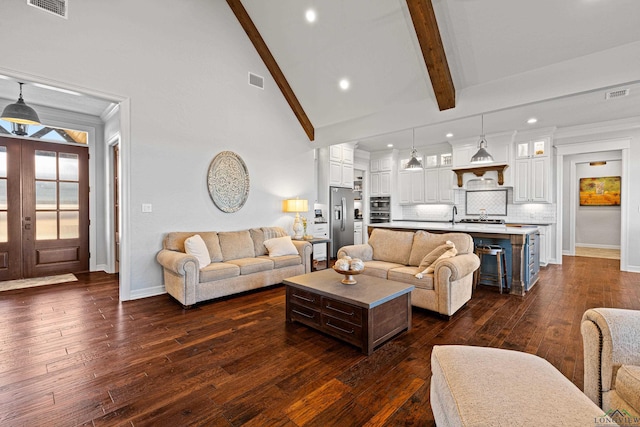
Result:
454,211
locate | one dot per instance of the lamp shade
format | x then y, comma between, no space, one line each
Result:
20,112
295,205
482,155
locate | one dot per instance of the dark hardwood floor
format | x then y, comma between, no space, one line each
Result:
72,354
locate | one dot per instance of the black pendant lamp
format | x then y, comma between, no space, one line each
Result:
482,155
20,115
413,162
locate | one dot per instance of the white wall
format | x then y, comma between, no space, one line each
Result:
597,226
183,67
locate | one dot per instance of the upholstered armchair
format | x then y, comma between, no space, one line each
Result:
611,339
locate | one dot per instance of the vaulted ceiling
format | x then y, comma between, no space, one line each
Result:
508,59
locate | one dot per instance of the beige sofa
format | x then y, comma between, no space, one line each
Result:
396,255
611,340
240,262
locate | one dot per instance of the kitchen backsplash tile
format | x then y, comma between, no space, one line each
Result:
532,213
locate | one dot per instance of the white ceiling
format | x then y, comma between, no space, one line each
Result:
487,42
509,59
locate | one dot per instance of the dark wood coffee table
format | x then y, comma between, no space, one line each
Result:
366,314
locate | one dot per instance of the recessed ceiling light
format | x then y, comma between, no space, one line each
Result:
389,145
344,84
532,120
310,15
449,135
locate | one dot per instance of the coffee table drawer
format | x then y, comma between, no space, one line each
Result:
342,310
304,315
341,329
304,298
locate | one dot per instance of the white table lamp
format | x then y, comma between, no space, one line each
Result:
297,206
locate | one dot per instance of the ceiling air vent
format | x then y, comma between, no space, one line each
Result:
57,7
619,93
256,80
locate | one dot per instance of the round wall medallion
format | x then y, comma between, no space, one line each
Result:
228,181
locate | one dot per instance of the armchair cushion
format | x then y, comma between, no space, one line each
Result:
628,385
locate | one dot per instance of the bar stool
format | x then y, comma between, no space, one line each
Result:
501,262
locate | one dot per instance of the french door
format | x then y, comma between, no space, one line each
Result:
44,209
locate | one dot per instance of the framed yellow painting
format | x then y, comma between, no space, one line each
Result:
600,191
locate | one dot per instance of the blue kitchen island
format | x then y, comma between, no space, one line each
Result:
521,245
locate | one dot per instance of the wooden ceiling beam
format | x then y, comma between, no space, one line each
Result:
268,59
426,27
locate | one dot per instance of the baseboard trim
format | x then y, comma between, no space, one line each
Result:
147,292
595,246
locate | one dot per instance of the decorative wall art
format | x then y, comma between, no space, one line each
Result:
228,181
601,191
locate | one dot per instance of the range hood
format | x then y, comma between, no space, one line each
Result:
480,184
480,171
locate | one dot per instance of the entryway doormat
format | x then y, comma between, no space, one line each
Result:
10,285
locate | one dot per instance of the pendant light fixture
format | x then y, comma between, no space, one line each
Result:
482,155
20,115
413,162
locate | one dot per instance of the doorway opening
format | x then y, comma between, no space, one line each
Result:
44,208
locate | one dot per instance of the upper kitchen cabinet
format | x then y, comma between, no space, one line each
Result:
411,186
381,170
341,165
532,170
438,177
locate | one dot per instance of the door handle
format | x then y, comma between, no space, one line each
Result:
344,211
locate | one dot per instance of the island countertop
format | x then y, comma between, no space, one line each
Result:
470,228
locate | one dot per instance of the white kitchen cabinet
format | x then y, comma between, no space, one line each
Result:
385,183
544,252
341,166
438,185
357,233
320,231
411,186
374,184
532,172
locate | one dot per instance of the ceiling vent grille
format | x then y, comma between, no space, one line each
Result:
617,93
256,80
56,7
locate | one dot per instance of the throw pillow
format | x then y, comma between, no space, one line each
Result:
195,246
432,256
450,252
280,246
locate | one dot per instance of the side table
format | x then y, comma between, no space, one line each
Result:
315,241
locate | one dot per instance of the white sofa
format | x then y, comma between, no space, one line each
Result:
239,262
611,341
396,255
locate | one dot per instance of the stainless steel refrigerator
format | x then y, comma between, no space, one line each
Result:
341,218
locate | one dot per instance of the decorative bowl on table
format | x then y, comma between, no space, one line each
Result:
348,275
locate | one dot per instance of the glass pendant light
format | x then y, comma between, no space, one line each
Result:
482,155
413,162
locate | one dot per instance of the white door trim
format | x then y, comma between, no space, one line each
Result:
622,144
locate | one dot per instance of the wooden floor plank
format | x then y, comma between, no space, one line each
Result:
73,354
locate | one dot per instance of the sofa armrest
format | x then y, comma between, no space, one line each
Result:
457,267
176,262
305,249
611,338
363,252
